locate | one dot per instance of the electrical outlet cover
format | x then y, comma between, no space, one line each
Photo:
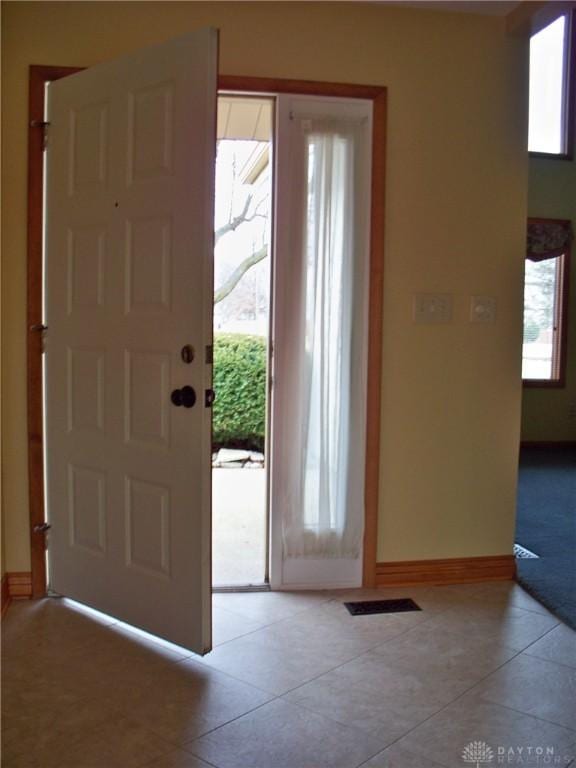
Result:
433,308
482,309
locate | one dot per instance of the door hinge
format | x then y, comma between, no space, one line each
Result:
40,328
43,528
43,125
209,354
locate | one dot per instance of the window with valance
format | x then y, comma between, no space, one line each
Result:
546,301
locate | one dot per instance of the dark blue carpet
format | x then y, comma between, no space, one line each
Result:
546,525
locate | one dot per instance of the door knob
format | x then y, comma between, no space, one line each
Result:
185,396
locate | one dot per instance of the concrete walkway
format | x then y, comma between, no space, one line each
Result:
238,526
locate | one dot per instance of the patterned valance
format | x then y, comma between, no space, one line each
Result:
548,238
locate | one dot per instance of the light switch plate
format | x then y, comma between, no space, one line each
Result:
482,309
433,308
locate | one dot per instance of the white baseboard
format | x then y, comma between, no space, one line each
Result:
326,573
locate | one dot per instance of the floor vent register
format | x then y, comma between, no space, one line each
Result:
369,607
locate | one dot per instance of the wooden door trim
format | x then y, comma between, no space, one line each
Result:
39,77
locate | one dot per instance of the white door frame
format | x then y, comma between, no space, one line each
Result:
39,76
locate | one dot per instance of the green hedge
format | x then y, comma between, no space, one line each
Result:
239,411
531,331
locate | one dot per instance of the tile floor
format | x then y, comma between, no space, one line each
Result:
295,682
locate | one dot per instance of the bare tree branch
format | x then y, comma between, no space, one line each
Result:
231,282
242,217
234,222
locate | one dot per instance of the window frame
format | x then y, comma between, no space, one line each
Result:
568,90
560,341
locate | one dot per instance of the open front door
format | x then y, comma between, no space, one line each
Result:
128,268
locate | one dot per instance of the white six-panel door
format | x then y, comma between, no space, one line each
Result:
128,269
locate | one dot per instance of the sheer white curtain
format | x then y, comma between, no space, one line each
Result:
323,510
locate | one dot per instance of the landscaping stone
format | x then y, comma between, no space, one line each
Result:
233,458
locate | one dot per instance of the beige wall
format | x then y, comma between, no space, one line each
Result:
2,536
552,194
456,207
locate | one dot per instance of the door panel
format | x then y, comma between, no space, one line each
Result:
129,231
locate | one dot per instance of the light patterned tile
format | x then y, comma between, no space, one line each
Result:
559,645
228,626
393,757
182,701
403,681
437,649
177,759
34,733
121,662
20,761
413,687
330,632
269,667
38,693
118,743
98,695
268,607
280,735
505,732
431,600
506,625
534,686
509,593
336,697
40,632
334,618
